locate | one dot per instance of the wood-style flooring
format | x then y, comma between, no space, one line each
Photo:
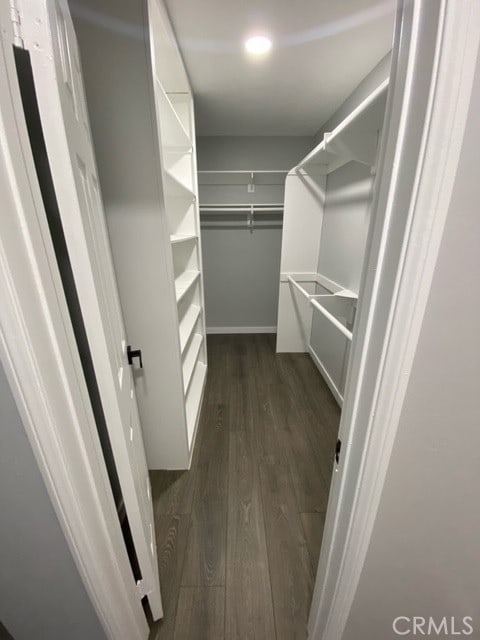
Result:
239,535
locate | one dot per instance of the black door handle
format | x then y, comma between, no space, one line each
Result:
134,353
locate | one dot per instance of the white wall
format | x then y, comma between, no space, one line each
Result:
241,269
423,558
41,592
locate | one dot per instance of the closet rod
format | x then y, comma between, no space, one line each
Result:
236,209
241,171
318,306
257,205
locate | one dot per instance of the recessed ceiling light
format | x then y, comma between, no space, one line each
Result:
258,45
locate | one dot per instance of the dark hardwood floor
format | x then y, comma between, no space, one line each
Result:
239,534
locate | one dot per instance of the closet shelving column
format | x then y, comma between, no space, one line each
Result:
175,122
303,290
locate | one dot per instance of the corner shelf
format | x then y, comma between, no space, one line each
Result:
190,360
176,189
194,396
184,281
187,325
174,136
178,238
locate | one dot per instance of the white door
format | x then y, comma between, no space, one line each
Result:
47,33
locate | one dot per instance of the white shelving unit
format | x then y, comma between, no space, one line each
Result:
151,203
176,128
309,298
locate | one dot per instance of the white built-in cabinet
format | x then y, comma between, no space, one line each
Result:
325,227
140,103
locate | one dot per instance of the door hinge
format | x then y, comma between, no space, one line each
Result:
17,25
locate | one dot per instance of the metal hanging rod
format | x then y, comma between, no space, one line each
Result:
239,208
241,171
313,300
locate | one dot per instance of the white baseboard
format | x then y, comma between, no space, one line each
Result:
214,330
326,376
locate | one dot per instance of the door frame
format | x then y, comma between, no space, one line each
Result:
38,350
434,59
41,360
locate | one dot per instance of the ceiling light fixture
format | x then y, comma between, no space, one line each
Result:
258,45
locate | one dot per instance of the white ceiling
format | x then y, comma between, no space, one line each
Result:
322,50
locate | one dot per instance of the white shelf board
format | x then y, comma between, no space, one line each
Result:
177,189
184,281
178,238
187,324
353,139
173,135
242,177
190,360
192,404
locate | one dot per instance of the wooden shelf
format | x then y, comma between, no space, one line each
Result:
190,359
194,396
184,281
187,325
173,135
178,238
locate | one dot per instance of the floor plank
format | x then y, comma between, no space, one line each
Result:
313,524
200,613
290,568
248,607
204,563
171,535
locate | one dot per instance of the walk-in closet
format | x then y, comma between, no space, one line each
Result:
228,202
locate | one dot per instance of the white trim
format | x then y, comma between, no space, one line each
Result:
227,330
426,123
38,351
326,376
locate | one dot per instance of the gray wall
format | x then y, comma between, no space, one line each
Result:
41,592
424,558
242,269
376,76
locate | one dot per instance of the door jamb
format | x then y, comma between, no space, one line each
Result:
42,364
403,249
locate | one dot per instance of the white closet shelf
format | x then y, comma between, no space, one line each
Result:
174,136
355,138
194,396
190,360
178,238
318,278
184,282
177,189
242,176
187,325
